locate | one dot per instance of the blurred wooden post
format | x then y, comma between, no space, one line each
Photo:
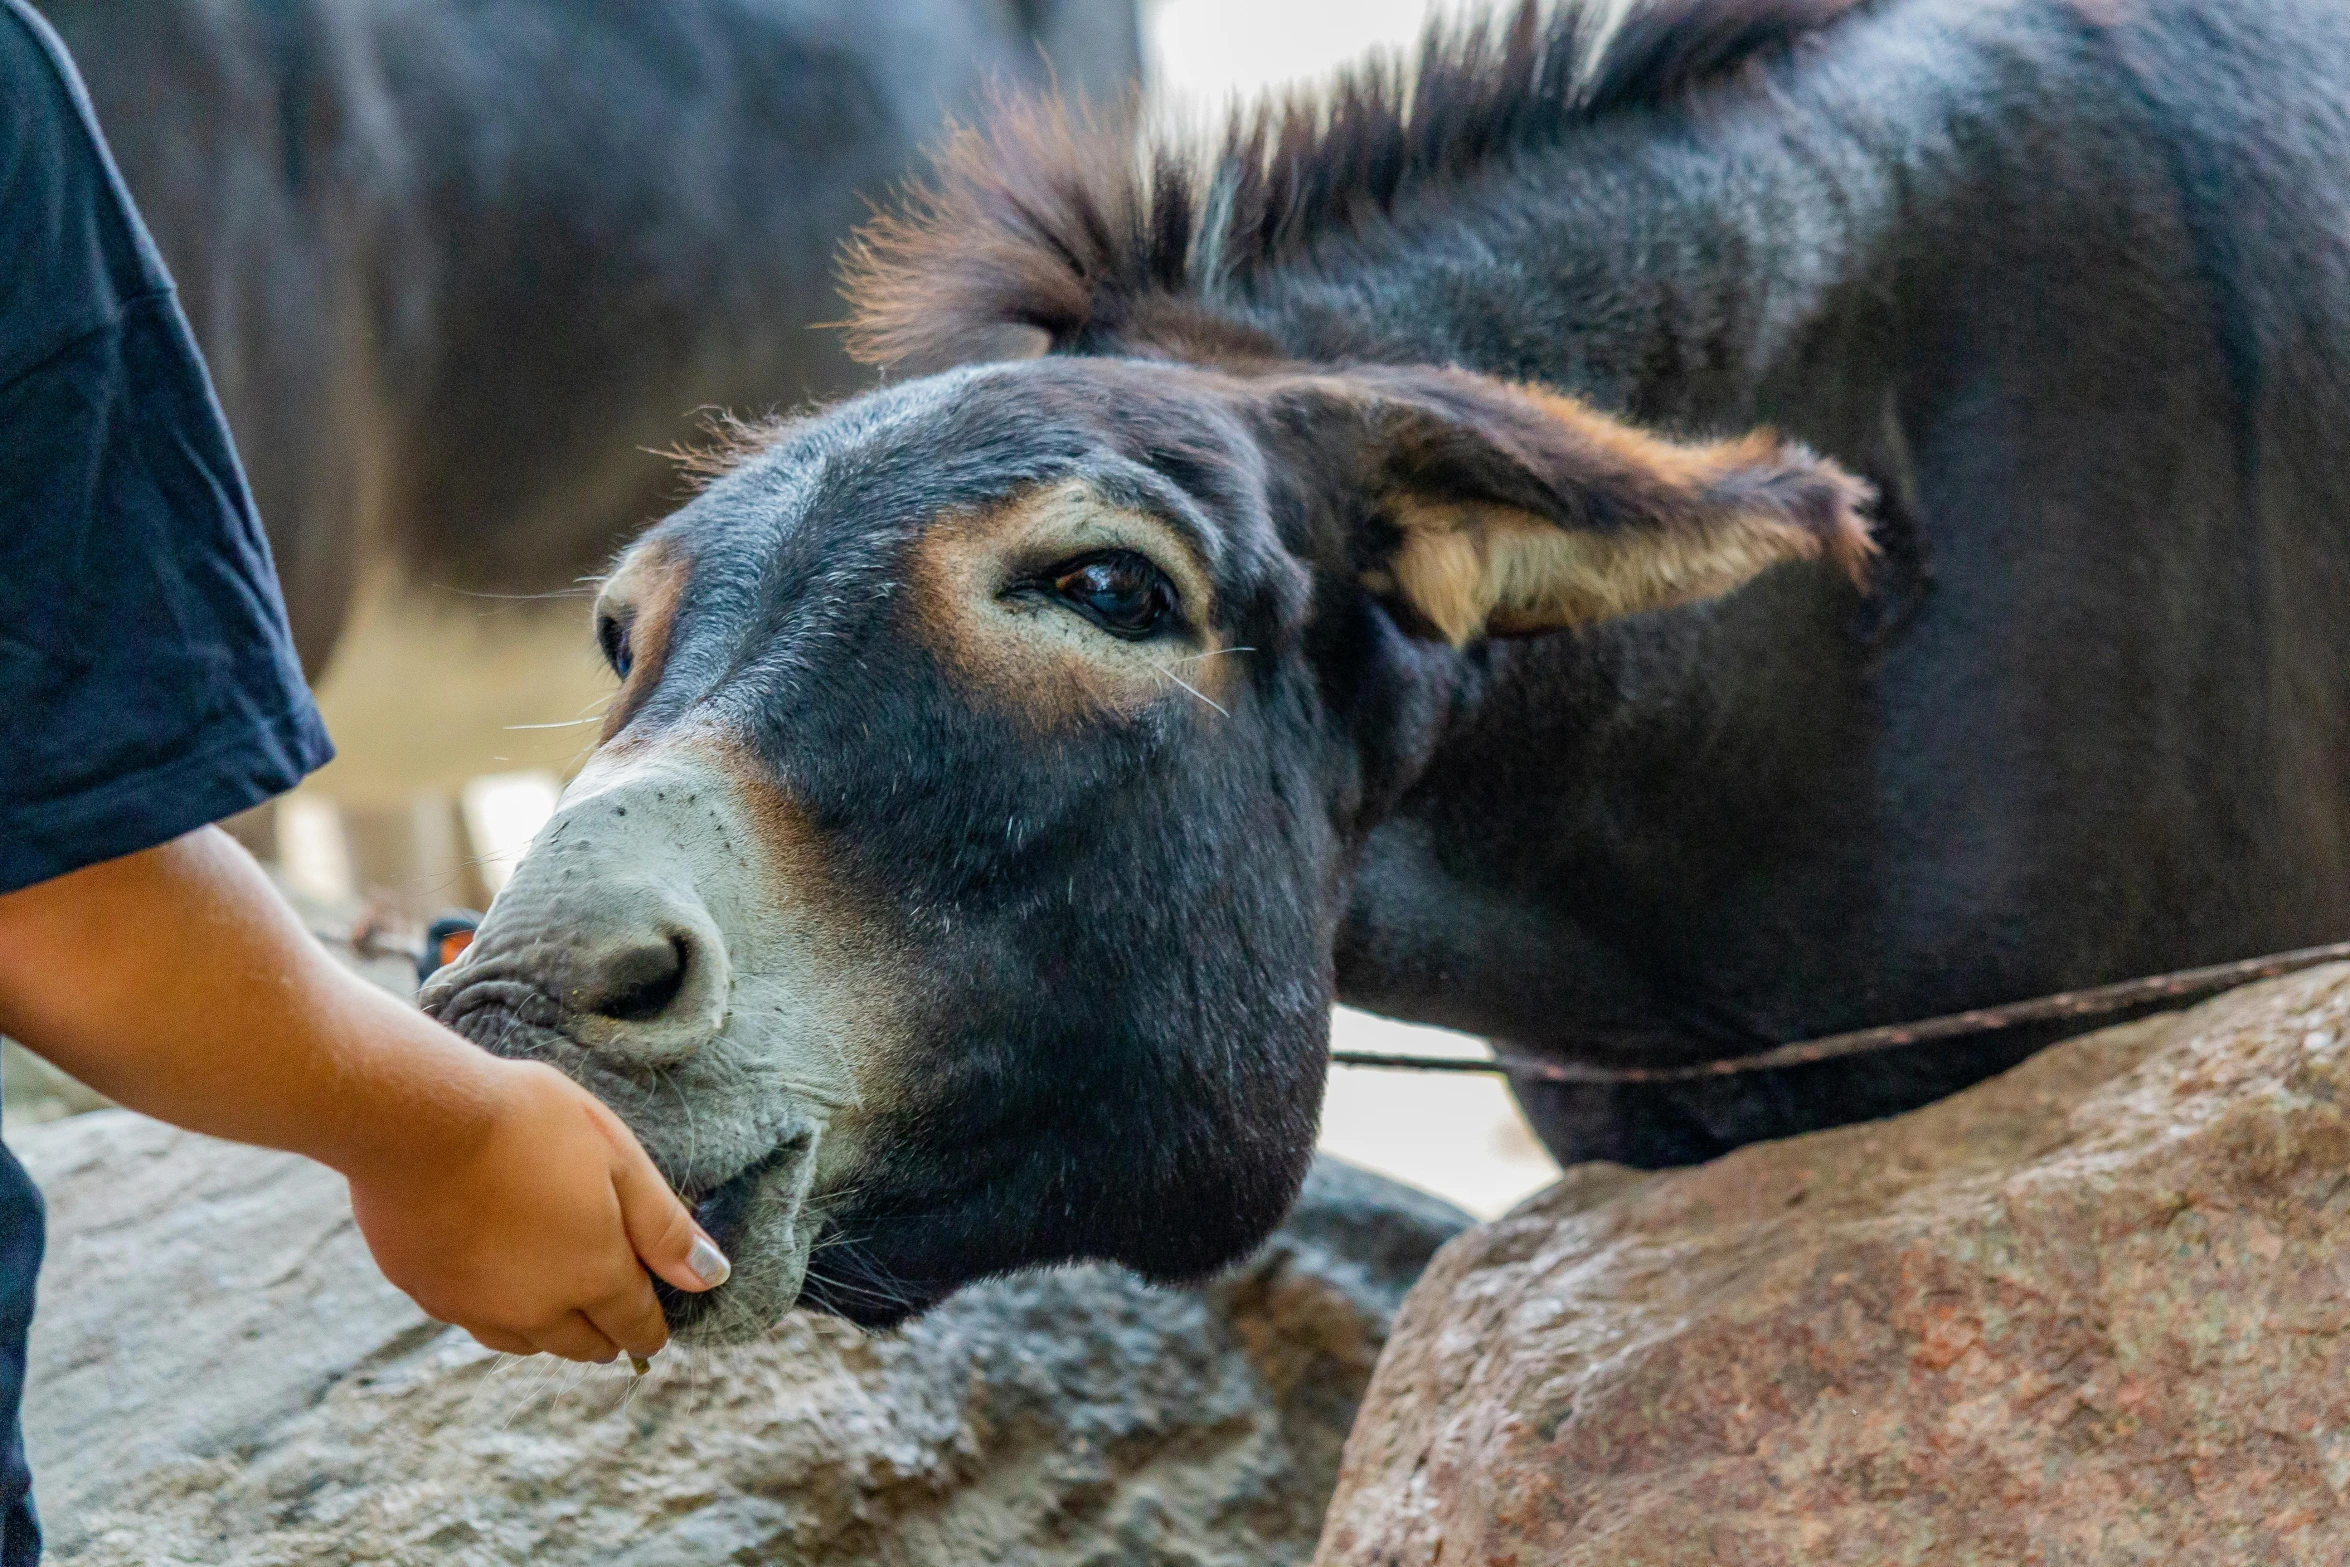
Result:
414,856
418,857
256,829
314,849
503,812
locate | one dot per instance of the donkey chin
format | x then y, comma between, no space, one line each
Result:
635,951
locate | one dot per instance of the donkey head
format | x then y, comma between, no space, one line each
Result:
955,883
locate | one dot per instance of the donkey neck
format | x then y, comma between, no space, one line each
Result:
1592,795
1673,264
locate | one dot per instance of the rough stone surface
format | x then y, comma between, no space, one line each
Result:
32,1091
2096,1311
219,1376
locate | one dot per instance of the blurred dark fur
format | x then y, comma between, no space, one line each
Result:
1059,220
462,269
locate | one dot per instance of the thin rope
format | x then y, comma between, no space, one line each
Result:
2098,1002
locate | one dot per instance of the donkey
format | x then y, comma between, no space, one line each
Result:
1380,581
459,268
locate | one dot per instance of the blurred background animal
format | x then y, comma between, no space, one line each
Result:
462,268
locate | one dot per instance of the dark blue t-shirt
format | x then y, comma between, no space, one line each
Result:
148,684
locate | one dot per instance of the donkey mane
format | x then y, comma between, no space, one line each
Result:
1060,229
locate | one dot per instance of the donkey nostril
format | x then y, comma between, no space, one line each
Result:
637,984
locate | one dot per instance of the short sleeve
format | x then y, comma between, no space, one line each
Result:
148,683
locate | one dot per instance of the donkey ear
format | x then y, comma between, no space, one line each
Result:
1505,510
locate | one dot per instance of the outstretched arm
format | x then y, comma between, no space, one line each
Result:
500,1195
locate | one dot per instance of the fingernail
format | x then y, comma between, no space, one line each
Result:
708,1263
640,1364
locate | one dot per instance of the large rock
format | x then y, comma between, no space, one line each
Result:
219,1376
2096,1311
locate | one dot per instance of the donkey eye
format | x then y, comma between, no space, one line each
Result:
1122,592
612,637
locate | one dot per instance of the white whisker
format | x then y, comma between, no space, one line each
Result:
572,1383
529,1395
693,1137
1201,658
580,592
1188,686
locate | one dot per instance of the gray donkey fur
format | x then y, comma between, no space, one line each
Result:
2067,280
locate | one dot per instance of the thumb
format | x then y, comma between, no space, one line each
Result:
659,1228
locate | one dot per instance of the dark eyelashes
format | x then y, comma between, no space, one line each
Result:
1121,591
612,637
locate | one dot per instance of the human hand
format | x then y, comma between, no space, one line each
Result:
530,1239
499,1194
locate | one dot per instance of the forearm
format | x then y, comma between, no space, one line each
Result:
178,983
498,1194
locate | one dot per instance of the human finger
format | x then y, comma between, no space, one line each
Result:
660,1230
504,1343
573,1337
632,1319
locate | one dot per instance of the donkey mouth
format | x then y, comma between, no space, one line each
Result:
725,1209
754,1215
743,1215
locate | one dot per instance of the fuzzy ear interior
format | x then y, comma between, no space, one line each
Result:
1512,511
